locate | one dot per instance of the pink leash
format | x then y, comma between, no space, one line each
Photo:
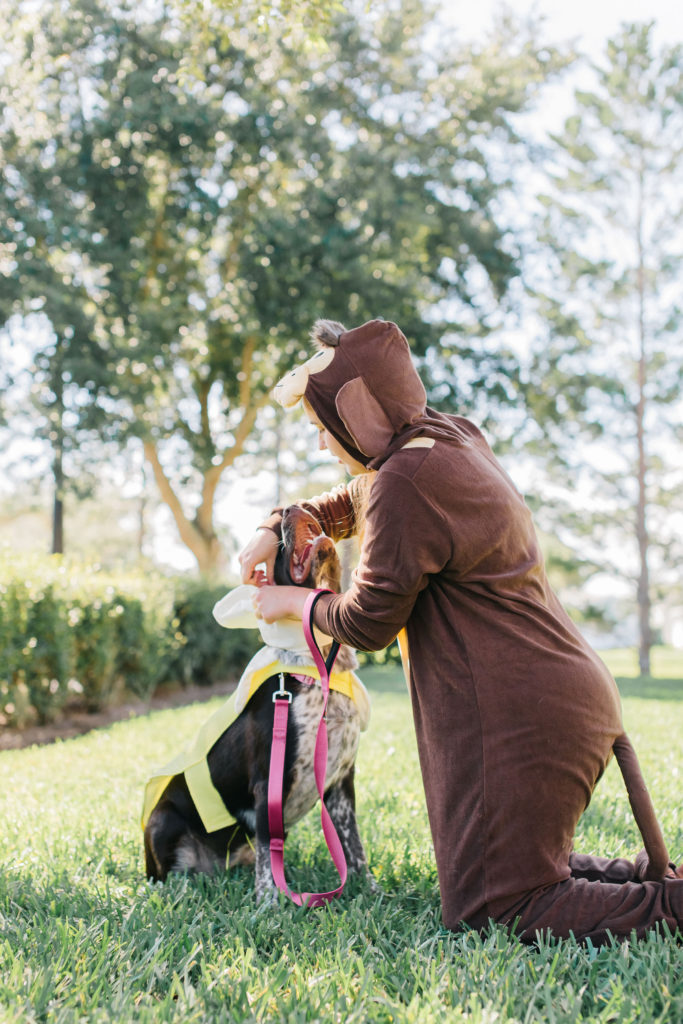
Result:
282,699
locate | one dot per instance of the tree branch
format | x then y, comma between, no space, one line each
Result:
189,534
213,474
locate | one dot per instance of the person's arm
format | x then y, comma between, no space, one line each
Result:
339,513
407,541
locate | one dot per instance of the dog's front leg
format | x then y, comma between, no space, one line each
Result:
266,890
340,801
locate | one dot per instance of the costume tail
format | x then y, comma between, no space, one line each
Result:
643,810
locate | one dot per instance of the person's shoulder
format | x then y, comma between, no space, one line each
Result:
406,461
409,485
420,463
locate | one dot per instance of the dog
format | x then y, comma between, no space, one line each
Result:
175,838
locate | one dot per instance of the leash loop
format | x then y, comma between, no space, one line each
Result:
282,699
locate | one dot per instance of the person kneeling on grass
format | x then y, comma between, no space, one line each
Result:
516,716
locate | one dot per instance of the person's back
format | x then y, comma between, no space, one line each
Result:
515,715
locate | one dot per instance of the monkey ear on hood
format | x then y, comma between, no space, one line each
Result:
364,418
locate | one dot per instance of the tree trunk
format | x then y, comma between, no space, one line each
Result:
210,557
142,513
58,504
57,423
643,589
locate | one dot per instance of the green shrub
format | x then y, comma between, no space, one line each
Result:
35,653
48,668
207,653
73,632
144,647
120,630
15,704
389,656
94,634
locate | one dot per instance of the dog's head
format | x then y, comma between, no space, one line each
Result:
307,557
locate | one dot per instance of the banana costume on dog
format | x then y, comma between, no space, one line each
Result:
285,650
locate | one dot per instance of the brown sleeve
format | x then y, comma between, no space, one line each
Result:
407,540
339,511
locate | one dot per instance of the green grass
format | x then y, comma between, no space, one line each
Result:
666,662
84,938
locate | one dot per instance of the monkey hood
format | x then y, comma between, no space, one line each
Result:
367,393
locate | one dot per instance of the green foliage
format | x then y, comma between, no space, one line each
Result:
207,653
85,937
35,652
72,633
47,664
144,646
389,656
215,189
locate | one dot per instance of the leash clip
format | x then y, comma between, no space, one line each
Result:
282,694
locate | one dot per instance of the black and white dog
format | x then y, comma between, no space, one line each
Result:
175,837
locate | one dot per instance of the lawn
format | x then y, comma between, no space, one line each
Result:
84,938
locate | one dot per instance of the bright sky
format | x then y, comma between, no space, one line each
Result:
589,21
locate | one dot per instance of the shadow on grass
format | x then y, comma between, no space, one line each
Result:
647,688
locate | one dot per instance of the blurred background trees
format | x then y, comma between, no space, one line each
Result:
186,191
608,371
181,224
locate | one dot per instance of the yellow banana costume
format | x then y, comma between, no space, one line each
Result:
285,651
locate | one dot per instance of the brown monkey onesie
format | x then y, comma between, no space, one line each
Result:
516,716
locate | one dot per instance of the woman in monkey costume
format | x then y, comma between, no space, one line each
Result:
516,716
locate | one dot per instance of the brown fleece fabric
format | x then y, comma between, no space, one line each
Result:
515,715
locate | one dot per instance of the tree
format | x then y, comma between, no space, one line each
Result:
606,379
221,205
44,281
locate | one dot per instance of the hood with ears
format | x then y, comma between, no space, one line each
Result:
364,389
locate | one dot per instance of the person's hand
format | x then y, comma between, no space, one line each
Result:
273,603
262,548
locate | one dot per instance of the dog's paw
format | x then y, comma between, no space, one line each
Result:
266,894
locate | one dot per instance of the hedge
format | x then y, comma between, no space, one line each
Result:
74,633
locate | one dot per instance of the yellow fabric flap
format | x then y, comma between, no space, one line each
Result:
193,763
207,799
405,655
201,788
